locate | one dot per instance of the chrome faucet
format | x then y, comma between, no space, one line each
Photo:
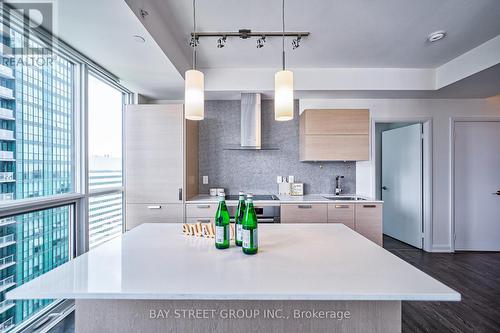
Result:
338,189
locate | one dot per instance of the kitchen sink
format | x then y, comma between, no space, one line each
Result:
342,198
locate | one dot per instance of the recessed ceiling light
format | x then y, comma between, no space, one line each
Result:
435,36
139,39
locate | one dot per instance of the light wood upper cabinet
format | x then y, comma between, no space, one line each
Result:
334,135
154,159
336,121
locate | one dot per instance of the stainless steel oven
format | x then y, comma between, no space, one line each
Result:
265,213
268,212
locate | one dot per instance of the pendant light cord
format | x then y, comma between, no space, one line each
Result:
283,36
194,36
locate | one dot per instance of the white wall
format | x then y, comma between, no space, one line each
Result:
440,111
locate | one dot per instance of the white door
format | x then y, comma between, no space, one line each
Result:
402,184
477,182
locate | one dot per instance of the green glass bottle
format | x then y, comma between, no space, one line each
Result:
222,224
238,220
249,225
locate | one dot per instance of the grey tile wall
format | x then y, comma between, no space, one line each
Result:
256,171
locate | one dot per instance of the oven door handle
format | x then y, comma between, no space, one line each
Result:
265,220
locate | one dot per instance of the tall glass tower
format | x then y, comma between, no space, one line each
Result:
36,140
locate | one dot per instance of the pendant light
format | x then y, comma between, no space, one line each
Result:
194,93
283,84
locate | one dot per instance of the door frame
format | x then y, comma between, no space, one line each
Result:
427,162
453,121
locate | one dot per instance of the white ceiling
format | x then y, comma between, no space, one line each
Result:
356,47
103,30
344,33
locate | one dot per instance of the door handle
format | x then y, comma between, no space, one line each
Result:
180,194
305,206
384,188
341,206
154,207
369,206
202,206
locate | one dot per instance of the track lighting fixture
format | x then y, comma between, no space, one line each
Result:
221,42
296,42
194,41
261,41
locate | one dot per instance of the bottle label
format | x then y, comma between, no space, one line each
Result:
250,240
239,230
221,234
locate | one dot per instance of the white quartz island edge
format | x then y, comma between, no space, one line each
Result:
295,262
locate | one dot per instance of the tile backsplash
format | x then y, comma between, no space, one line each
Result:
256,171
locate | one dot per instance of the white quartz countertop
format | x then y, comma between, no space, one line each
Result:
307,198
295,262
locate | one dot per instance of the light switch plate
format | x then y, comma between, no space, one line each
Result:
205,180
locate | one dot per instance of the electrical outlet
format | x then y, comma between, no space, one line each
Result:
205,180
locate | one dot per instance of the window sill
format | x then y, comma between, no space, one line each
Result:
15,207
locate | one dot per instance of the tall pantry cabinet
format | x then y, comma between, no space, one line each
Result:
154,164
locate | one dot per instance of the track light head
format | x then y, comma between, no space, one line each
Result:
296,42
221,42
194,41
261,41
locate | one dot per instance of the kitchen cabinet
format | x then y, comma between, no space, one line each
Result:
304,213
341,213
201,210
368,221
154,163
334,135
153,213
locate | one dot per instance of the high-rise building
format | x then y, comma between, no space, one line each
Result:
36,152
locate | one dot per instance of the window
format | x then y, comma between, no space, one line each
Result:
105,211
42,135
105,218
36,121
31,244
105,134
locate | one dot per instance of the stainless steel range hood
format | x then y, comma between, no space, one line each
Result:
251,124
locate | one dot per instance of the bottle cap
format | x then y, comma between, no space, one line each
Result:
222,194
249,196
241,193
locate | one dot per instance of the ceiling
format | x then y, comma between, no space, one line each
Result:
344,33
103,31
360,48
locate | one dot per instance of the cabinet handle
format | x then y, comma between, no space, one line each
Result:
304,206
202,206
341,206
203,220
154,207
369,206
180,194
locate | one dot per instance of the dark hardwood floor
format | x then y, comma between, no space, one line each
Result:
475,275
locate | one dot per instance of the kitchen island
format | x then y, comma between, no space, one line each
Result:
305,278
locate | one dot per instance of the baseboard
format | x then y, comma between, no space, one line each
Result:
441,248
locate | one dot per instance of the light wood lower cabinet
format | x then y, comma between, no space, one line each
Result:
193,220
304,213
201,210
368,221
341,213
153,213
